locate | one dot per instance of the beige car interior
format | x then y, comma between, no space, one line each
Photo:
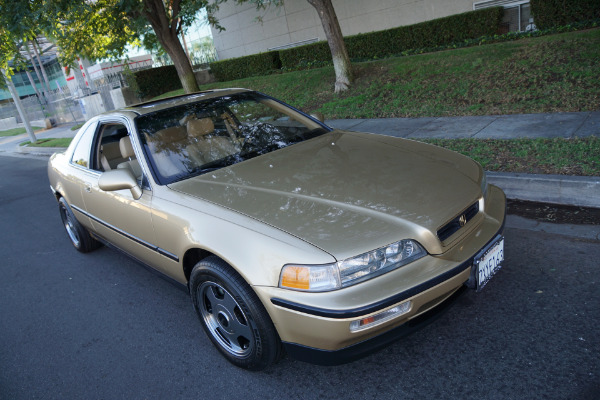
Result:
128,153
205,146
118,154
110,156
194,139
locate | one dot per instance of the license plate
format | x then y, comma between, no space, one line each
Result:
488,262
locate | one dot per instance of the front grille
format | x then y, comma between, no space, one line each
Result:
453,226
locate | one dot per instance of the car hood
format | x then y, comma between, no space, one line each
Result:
348,192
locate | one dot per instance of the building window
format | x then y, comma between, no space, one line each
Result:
517,14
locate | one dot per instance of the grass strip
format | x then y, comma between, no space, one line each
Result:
55,142
577,156
17,131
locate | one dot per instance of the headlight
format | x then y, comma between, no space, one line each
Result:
321,278
484,184
484,188
314,278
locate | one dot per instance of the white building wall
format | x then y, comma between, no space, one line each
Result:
118,98
92,106
8,123
298,21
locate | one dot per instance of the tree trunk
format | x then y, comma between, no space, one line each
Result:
35,68
45,83
42,68
166,30
17,100
339,54
182,64
32,82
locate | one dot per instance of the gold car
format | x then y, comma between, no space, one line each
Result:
288,234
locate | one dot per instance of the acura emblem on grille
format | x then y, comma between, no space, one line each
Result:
462,220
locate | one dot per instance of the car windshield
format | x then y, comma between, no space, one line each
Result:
195,138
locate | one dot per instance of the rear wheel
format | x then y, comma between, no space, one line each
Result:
79,236
232,316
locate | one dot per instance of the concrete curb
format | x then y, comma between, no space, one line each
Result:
39,151
558,189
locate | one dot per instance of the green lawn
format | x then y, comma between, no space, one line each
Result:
578,156
547,74
17,131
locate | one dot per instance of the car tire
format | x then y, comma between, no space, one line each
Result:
232,316
79,236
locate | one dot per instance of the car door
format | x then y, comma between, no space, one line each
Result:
117,216
79,172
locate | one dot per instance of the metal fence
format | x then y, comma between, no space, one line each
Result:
58,105
64,106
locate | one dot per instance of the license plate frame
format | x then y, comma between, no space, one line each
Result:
488,262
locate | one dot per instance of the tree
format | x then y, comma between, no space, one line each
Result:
15,28
18,104
167,24
8,50
103,28
339,54
12,34
333,33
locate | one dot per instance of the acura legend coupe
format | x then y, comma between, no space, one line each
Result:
289,235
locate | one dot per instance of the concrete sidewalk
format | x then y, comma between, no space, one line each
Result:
558,189
554,125
11,144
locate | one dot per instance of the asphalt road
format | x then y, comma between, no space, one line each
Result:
100,326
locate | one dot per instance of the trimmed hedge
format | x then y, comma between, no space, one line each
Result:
242,67
432,33
437,32
506,37
319,52
156,81
550,13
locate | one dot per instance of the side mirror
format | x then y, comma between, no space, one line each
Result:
318,115
118,179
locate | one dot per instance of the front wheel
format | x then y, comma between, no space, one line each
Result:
79,236
232,316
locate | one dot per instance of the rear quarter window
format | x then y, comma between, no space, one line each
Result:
82,152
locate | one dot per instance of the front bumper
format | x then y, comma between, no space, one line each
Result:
362,349
322,335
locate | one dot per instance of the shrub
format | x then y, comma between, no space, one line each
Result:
290,58
551,13
242,67
437,32
155,81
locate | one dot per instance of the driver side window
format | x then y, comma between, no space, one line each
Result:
109,150
114,150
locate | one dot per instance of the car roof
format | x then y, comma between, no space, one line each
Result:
161,104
